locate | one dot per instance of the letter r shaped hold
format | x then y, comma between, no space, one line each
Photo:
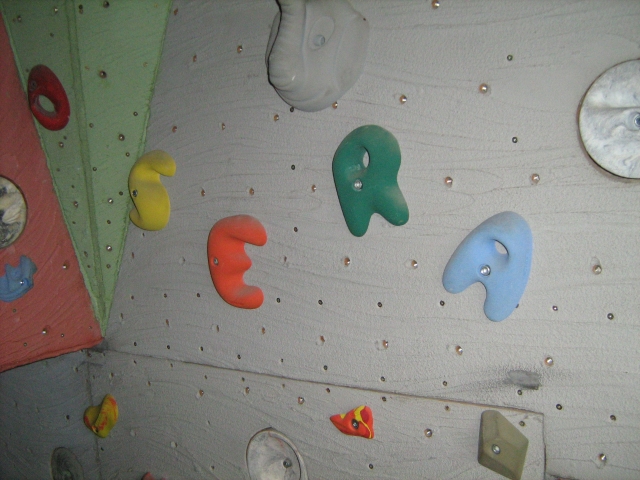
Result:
151,200
504,275
367,189
228,260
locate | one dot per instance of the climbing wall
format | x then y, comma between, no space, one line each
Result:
483,99
54,316
106,55
483,94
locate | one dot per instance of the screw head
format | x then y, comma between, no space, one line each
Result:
355,424
495,449
535,178
300,400
403,99
215,261
597,269
459,350
448,181
357,184
428,433
548,361
335,105
602,457
286,463
435,4
109,248
485,270
610,316
483,88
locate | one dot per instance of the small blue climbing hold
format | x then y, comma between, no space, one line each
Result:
504,275
17,280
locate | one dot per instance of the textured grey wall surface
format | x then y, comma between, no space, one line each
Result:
538,59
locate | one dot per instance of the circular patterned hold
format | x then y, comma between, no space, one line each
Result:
13,212
43,82
65,465
609,120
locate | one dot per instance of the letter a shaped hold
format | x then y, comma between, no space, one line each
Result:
228,260
373,188
504,275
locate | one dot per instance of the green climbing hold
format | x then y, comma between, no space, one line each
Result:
372,188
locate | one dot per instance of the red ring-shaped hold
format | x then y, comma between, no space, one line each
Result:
42,81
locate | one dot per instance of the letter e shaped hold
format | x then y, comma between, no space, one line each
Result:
228,260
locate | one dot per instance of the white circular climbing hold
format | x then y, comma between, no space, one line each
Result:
610,120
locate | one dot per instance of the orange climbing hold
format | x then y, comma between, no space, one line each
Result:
228,260
358,422
101,419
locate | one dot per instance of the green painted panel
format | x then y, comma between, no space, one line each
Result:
106,54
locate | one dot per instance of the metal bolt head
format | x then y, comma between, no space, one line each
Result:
61,144
509,58
357,184
276,117
239,49
102,74
435,4
109,248
483,88
403,99
448,181
385,344
495,449
610,316
286,463
514,139
134,193
346,261
355,424
110,200
414,264
121,137
548,361
459,350
597,269
335,105
602,457
485,270
535,178
300,400
428,433
215,261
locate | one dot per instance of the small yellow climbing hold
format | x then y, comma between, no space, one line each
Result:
151,200
101,419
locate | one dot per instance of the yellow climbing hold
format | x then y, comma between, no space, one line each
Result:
101,419
151,200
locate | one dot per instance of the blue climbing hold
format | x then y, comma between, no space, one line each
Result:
504,275
17,280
